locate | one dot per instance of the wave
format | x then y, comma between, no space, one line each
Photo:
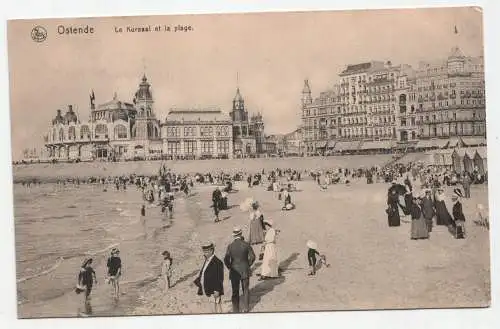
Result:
101,251
61,259
45,272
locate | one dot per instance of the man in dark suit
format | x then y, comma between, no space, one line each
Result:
466,181
239,258
428,209
211,277
216,202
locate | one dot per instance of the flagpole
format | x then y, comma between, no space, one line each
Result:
92,107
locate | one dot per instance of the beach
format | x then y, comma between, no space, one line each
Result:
372,265
50,172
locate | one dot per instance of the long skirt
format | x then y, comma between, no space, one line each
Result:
256,235
393,218
270,262
443,217
419,229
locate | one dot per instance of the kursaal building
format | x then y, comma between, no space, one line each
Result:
119,130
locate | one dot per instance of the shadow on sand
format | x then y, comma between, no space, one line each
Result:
185,278
267,286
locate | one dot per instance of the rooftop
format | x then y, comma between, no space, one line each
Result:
209,114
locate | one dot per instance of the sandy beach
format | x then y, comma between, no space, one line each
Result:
372,266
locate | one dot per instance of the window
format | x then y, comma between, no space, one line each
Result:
71,133
174,147
190,147
84,132
61,134
101,130
223,147
120,132
207,147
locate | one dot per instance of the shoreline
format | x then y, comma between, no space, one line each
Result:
48,172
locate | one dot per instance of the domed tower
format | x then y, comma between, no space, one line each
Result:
58,118
456,61
144,99
146,127
239,112
306,94
70,116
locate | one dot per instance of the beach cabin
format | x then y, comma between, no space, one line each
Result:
481,160
462,160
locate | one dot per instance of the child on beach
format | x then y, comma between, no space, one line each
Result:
114,265
166,269
86,279
311,257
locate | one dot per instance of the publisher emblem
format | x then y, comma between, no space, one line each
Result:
39,34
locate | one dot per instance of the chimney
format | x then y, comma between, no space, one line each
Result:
58,112
70,108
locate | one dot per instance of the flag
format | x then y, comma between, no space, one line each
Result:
456,30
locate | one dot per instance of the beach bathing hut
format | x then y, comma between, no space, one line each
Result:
481,160
463,160
442,158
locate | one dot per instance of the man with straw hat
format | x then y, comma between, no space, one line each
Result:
239,258
210,281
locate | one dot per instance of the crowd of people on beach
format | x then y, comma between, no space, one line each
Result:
416,195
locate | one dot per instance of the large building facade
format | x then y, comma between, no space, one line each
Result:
197,134
381,106
119,130
116,130
450,97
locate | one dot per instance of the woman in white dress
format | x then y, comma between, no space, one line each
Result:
270,264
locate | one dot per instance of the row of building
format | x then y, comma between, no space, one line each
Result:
119,130
374,107
380,106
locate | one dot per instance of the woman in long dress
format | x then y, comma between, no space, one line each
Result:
270,264
443,216
418,225
256,234
393,209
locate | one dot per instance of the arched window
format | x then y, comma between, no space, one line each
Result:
54,134
61,134
84,131
101,130
120,132
71,133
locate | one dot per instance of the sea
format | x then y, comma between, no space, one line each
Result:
58,226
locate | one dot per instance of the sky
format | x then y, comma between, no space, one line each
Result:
268,55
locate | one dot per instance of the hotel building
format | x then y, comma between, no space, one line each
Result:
380,107
197,134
